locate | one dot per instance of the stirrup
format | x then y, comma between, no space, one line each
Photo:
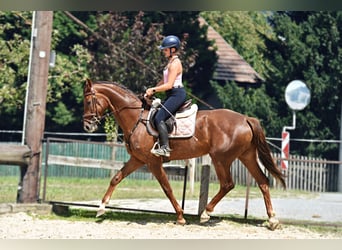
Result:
159,151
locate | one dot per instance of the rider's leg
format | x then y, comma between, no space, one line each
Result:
164,149
174,100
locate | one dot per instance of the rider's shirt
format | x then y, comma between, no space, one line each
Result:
178,81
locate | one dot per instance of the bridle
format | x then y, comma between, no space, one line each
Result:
94,116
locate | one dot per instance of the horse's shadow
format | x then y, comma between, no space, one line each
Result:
143,218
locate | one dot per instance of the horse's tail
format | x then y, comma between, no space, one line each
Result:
264,152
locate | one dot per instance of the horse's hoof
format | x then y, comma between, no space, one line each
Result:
101,210
205,217
181,222
273,223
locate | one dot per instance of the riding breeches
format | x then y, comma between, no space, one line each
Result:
174,100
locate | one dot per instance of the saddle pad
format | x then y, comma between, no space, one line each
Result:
185,124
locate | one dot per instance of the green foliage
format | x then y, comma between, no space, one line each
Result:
251,102
126,46
132,40
243,30
65,86
281,46
14,56
111,129
309,48
62,116
65,90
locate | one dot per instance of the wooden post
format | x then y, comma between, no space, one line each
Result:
36,104
204,188
14,154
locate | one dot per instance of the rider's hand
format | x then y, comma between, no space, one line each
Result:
149,92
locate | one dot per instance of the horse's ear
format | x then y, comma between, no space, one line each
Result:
88,85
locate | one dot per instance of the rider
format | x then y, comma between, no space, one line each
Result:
172,85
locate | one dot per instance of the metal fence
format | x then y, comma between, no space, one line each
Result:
101,160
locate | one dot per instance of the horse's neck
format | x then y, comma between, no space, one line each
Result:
124,106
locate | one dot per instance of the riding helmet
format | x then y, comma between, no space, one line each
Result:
170,42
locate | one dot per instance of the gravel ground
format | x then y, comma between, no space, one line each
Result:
24,226
323,208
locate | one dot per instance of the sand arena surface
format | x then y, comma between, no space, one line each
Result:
24,226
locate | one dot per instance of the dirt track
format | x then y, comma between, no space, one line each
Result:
324,208
24,226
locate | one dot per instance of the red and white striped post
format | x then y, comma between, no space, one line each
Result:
285,149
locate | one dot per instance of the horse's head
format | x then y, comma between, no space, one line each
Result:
94,107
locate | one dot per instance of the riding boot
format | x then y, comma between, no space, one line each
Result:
164,149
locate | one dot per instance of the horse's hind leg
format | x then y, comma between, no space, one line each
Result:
128,168
222,168
249,159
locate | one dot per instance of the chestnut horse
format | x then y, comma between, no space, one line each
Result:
223,134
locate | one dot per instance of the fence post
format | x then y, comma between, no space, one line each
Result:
204,188
191,163
113,156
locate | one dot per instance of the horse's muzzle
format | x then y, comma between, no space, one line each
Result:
89,127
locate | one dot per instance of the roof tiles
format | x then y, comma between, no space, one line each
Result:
230,65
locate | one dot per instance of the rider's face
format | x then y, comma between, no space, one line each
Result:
167,51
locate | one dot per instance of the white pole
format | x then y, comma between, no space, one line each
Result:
33,35
293,122
192,165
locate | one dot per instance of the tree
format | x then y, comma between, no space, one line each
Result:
65,93
14,56
251,102
309,48
244,31
126,51
282,47
131,41
133,34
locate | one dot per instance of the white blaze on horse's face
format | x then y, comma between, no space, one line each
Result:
90,119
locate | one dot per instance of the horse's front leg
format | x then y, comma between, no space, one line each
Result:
158,171
129,167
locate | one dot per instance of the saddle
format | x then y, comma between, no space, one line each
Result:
182,125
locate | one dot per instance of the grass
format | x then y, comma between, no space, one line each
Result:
85,189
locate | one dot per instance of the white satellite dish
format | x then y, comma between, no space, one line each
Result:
297,95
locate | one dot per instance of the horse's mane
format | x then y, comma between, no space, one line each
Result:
125,88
